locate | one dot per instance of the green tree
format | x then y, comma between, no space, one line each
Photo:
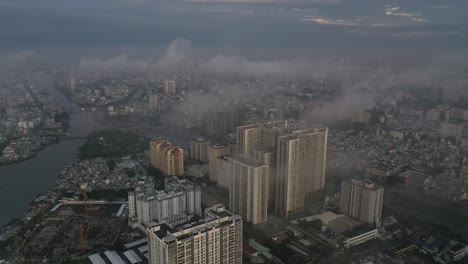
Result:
111,164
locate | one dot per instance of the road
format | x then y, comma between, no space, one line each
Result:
211,195
418,209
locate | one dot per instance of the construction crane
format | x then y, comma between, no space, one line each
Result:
17,245
87,204
82,239
43,213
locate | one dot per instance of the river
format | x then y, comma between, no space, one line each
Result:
21,182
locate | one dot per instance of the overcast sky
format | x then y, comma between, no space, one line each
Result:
292,26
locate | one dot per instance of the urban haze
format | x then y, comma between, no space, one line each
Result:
233,131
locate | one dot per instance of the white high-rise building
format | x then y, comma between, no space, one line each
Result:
301,164
180,200
161,206
215,240
131,205
362,200
248,190
192,193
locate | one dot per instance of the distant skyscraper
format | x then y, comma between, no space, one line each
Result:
224,120
452,130
360,117
71,84
216,239
170,87
433,115
153,102
199,149
215,163
215,124
248,190
362,200
301,164
167,157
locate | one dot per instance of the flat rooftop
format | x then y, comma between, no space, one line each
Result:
358,230
248,161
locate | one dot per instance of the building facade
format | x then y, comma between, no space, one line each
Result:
301,164
362,200
167,157
215,240
153,102
170,87
259,141
452,130
215,161
199,149
180,201
248,190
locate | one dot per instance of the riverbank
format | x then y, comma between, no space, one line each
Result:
10,154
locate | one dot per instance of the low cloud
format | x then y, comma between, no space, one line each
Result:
115,65
267,1
332,22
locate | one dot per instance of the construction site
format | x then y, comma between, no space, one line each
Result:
71,229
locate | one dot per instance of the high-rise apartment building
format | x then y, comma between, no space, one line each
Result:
180,201
360,117
452,130
170,87
131,204
215,240
259,141
362,200
199,149
248,139
161,206
192,193
248,189
224,120
269,158
264,137
215,161
153,102
167,157
71,84
301,164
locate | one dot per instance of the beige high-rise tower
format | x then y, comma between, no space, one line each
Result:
251,138
248,190
259,142
215,161
167,157
248,139
362,200
301,164
170,87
